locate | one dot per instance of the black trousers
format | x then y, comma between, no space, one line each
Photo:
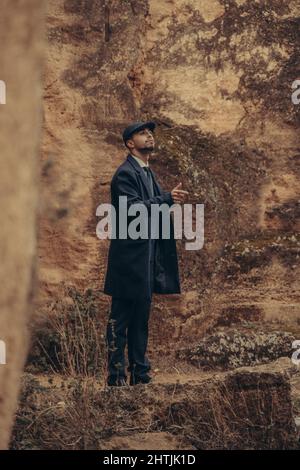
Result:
128,323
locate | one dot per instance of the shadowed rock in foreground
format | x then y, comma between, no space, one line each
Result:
21,64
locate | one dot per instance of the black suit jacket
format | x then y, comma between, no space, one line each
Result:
128,269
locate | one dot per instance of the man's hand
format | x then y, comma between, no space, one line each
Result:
178,194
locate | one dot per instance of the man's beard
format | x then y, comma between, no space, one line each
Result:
148,149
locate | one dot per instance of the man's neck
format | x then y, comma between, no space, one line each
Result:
143,157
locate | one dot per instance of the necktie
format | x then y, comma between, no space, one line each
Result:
149,178
152,242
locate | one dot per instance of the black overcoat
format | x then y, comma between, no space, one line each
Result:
128,267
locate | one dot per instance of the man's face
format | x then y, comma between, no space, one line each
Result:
143,141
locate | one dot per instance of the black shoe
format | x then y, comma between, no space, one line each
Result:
120,382
142,379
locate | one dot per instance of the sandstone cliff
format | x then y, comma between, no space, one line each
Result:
216,77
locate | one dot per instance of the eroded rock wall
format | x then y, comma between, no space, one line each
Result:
216,76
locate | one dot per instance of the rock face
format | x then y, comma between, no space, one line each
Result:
21,33
231,349
216,78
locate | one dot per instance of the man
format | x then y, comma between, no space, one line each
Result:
137,267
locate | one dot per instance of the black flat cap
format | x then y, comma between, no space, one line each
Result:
137,126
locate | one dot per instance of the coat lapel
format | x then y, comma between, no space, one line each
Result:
157,188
